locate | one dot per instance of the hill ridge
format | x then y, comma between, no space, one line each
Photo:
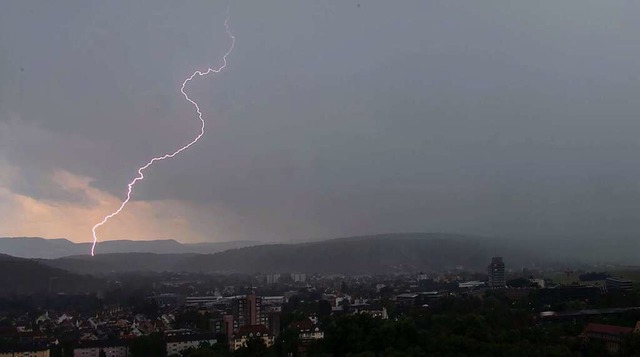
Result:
44,248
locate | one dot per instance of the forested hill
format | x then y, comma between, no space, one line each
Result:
41,248
362,255
25,277
356,255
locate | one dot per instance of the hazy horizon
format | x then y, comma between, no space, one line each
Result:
332,119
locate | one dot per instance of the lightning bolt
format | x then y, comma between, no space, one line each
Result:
168,156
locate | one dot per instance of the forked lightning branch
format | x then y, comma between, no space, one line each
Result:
141,170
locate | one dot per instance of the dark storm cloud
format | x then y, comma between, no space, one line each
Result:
492,117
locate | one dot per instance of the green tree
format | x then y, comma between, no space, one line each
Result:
287,343
324,309
255,348
152,345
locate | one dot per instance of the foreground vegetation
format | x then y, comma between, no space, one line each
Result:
453,326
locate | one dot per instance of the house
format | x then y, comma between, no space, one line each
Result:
114,348
308,331
611,335
64,317
180,340
376,312
407,300
146,327
43,318
251,332
471,284
24,351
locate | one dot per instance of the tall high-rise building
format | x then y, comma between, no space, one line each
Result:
248,311
495,270
227,326
299,277
254,307
223,324
274,323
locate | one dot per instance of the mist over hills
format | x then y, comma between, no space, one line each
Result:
356,255
385,253
41,248
120,262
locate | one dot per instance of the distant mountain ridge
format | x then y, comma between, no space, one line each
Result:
356,255
384,253
42,248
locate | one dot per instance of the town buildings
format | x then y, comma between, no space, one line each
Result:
613,283
247,310
610,335
250,332
190,311
25,352
496,273
92,348
308,331
180,340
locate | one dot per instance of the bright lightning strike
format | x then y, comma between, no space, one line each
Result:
167,156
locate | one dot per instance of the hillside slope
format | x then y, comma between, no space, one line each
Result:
357,255
25,276
41,248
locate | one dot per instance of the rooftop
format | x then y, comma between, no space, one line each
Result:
607,329
252,330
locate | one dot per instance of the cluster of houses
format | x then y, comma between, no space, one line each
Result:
110,333
237,320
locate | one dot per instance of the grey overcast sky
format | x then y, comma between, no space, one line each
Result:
333,118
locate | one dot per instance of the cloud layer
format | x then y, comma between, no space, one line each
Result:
332,119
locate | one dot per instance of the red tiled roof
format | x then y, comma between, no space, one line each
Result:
607,329
303,325
246,330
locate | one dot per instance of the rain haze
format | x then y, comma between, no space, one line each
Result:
333,118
